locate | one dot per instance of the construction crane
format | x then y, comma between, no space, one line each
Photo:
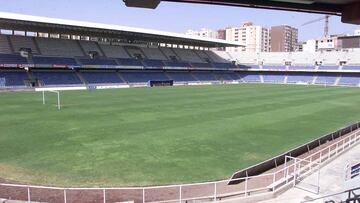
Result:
326,25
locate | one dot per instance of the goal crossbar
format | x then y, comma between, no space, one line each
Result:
53,91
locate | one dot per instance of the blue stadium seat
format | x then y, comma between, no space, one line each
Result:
204,76
326,79
328,67
302,67
227,76
224,65
57,77
129,62
98,62
351,67
351,80
54,60
274,78
12,59
300,78
177,64
101,77
248,66
250,77
143,77
153,63
278,67
12,78
201,65
181,76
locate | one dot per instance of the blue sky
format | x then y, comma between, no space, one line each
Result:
175,17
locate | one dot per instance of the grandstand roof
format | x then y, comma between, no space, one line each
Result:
347,9
13,21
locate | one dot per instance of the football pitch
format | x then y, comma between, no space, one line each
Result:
156,136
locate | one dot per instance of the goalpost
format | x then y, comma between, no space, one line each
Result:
53,91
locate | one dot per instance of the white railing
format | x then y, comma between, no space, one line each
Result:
263,184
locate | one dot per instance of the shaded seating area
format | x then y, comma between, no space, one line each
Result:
98,62
153,63
12,59
54,60
55,77
101,77
181,76
129,62
250,77
143,77
13,78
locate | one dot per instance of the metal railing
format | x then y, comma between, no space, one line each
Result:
350,195
263,184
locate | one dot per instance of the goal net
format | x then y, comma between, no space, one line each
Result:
44,96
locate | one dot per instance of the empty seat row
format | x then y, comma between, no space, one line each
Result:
57,77
13,78
10,78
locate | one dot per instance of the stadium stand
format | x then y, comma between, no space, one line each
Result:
12,59
274,78
97,61
249,66
227,76
114,51
203,55
101,77
188,55
328,67
278,67
302,67
11,78
169,53
215,57
204,76
183,76
143,77
153,53
90,46
177,64
349,80
4,45
57,77
135,52
224,65
54,60
50,52
153,63
202,65
300,78
250,77
59,47
328,79
351,67
19,42
130,62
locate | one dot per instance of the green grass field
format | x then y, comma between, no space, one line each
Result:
155,136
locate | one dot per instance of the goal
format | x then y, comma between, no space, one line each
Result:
52,91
